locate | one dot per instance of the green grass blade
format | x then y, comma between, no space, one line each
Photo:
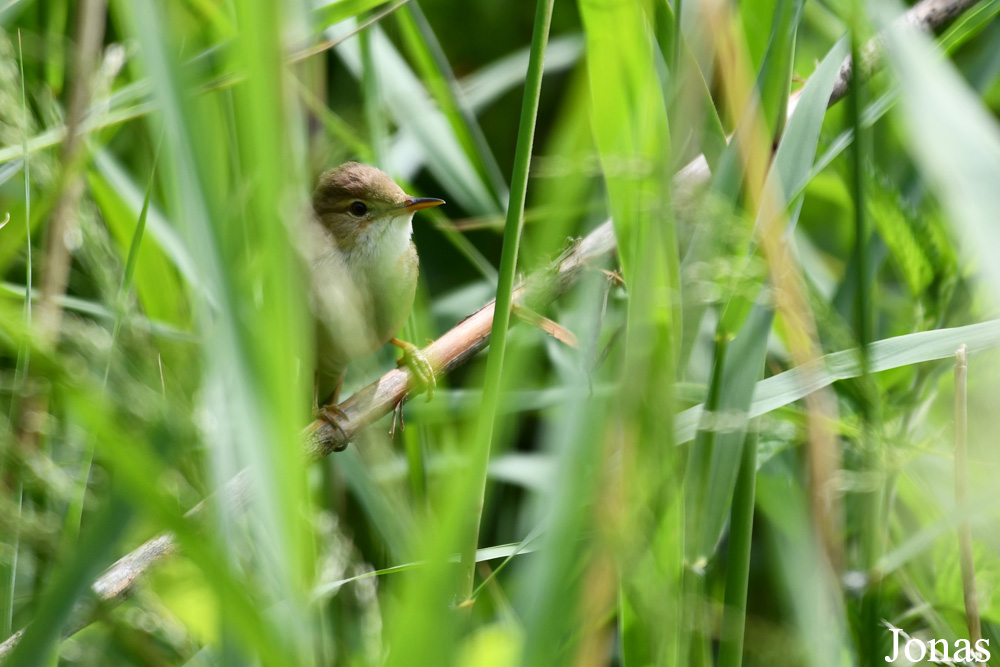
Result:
629,90
741,371
738,557
786,388
332,13
371,96
794,155
490,82
505,289
74,511
557,583
775,76
441,83
408,102
11,545
70,582
797,150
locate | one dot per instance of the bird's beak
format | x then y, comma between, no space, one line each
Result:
418,203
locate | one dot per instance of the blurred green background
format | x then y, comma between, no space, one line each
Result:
748,456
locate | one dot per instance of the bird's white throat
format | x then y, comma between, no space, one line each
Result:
382,244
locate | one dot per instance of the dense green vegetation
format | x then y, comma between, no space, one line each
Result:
732,441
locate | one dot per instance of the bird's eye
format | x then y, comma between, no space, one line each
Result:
358,208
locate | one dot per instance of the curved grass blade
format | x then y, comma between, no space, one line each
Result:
166,236
74,511
487,84
11,544
785,388
70,582
433,66
340,10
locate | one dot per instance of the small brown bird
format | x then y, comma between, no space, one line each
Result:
364,271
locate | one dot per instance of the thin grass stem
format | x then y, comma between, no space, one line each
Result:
738,560
8,561
505,289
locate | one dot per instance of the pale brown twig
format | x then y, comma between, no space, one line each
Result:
57,257
926,15
961,497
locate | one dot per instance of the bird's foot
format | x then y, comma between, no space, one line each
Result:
333,415
419,366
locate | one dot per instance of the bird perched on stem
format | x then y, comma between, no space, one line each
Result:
364,273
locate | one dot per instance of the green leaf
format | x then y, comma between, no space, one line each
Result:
330,14
71,581
797,149
775,77
785,388
717,453
436,74
411,107
629,118
772,86
157,281
121,198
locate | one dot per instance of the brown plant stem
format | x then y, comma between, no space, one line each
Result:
961,497
91,16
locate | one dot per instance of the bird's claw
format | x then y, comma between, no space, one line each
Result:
419,366
333,415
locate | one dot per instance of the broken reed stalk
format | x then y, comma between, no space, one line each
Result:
961,496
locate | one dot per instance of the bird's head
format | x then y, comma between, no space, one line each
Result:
355,203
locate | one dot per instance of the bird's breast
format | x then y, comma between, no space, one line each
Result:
384,267
390,284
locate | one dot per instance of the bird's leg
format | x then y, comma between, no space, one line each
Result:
333,415
418,364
